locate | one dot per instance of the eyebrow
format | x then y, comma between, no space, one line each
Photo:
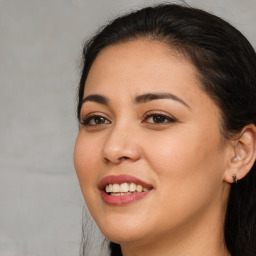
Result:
144,98
96,98
157,96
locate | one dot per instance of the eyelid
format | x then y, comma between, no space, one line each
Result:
94,113
151,113
89,116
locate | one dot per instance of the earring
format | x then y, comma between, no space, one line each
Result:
234,178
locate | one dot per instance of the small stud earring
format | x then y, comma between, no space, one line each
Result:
234,178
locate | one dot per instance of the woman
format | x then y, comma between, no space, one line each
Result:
165,154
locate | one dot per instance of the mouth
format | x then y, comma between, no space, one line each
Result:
123,189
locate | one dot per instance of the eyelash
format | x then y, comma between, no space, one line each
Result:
86,121
162,119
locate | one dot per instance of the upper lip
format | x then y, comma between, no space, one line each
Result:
119,179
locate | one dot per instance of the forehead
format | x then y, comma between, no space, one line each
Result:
141,64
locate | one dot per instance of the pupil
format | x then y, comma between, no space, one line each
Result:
99,120
158,119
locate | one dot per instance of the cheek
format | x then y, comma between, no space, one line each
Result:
180,152
189,167
86,161
87,165
185,186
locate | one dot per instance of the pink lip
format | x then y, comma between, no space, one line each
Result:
125,199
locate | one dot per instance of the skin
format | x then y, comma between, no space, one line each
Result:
185,159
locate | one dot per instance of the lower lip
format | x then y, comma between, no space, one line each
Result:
122,200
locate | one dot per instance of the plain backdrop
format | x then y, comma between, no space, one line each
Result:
40,49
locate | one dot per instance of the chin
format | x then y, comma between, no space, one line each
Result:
124,237
123,229
121,237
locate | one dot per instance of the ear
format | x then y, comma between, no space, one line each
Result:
243,154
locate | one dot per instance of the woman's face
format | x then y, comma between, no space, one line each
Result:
146,125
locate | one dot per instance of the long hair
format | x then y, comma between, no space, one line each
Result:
226,65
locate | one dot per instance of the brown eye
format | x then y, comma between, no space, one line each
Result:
99,120
95,120
159,119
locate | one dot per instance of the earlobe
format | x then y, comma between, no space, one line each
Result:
243,158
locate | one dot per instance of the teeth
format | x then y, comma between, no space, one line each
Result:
124,189
122,194
139,188
116,188
116,194
133,187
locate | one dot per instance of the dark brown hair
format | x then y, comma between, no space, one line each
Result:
226,64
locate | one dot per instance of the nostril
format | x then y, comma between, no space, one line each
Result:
105,160
117,160
123,158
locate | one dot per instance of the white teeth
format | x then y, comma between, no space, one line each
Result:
115,194
124,188
139,188
133,187
116,188
122,194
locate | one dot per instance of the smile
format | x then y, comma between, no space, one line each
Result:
123,189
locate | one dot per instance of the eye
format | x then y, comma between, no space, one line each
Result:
95,120
158,119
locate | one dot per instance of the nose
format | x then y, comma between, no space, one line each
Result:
120,145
